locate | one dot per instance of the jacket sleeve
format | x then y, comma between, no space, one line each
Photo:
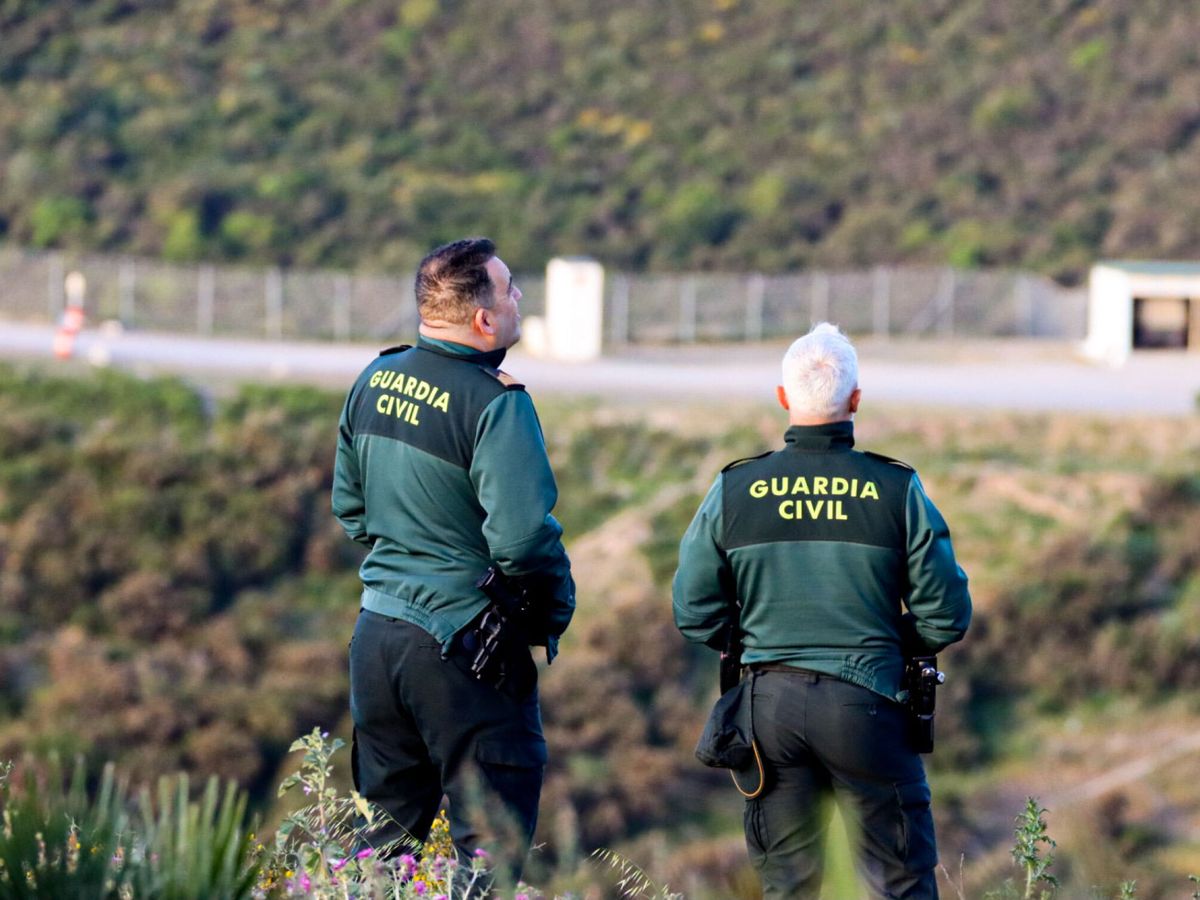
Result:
938,601
701,589
348,502
515,486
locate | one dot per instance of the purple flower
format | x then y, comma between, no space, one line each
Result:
481,853
338,864
305,882
419,887
406,866
363,854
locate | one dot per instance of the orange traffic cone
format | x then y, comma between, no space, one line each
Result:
68,330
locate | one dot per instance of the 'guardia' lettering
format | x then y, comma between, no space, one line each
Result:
410,386
786,485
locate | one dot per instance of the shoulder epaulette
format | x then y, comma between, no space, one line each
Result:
510,383
400,348
746,459
889,459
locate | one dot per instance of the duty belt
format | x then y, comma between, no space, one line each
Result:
787,669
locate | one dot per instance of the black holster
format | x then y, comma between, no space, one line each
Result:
496,643
921,679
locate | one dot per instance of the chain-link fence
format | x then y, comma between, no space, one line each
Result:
281,304
909,301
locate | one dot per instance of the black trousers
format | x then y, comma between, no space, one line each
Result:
424,728
825,740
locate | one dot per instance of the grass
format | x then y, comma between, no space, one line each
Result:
61,840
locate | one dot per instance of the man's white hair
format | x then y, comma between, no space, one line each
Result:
820,372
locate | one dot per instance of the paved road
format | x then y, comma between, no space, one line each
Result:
992,375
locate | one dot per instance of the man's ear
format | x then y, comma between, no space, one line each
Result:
855,396
781,396
482,323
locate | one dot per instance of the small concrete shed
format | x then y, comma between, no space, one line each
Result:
1142,305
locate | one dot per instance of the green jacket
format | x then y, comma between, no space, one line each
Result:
441,471
824,547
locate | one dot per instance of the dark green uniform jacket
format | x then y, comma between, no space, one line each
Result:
441,470
824,546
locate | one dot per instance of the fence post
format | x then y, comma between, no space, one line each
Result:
881,301
341,308
206,289
687,310
274,304
945,305
127,288
1024,306
618,332
755,290
55,298
820,298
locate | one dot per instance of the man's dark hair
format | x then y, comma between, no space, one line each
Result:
452,281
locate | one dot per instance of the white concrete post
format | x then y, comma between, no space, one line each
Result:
75,286
574,308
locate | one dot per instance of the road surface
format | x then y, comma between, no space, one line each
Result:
1015,375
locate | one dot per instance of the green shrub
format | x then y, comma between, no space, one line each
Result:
60,841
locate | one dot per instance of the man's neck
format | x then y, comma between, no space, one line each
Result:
455,334
801,420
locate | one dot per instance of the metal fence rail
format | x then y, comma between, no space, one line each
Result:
883,302
281,304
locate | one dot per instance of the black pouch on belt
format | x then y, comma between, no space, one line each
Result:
727,741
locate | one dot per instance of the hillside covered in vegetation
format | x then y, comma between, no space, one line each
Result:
175,595
716,134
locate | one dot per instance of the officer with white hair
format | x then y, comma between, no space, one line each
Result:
833,566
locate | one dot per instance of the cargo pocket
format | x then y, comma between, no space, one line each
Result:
520,754
919,848
513,770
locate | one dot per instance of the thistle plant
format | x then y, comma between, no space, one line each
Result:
1030,832
321,850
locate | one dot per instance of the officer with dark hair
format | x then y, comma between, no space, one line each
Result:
824,548
441,471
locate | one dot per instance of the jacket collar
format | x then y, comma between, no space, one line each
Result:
815,438
450,349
